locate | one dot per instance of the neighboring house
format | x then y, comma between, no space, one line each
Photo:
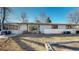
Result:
45,28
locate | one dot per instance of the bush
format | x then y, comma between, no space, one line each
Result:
66,32
5,32
77,32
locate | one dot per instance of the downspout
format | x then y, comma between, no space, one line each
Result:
39,28
27,27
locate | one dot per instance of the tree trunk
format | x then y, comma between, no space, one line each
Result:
3,19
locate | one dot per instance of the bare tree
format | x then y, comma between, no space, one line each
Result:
5,11
37,26
74,17
42,17
24,17
37,20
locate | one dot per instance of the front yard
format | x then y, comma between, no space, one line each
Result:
31,42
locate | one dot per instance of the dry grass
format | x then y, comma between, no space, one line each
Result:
8,45
23,43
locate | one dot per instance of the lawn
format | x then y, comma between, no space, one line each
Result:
32,42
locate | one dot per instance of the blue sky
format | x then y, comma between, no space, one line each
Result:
56,14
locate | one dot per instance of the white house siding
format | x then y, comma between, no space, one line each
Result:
46,29
59,30
43,27
61,26
20,30
53,31
23,28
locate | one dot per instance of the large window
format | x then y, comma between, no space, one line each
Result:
5,27
55,26
13,27
9,27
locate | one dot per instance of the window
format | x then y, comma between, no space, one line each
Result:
13,27
9,27
55,26
5,27
68,27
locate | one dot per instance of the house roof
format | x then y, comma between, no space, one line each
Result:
42,23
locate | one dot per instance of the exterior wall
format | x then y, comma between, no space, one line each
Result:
61,26
53,31
23,27
58,31
47,29
43,27
20,30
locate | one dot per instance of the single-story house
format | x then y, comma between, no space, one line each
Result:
45,28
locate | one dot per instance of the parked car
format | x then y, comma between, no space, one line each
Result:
5,32
66,32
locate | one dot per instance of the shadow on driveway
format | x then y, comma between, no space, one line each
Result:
61,44
38,43
23,45
67,47
48,35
